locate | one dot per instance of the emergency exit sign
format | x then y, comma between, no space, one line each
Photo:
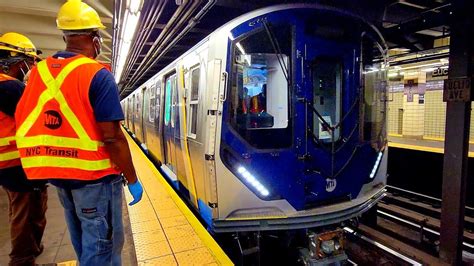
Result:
457,90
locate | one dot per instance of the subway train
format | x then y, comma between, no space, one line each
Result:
275,121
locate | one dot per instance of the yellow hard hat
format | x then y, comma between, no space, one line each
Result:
76,15
17,43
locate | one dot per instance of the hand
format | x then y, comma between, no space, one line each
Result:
136,190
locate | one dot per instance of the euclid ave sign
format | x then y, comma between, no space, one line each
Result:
457,90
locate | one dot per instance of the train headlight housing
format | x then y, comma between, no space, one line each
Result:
252,181
376,165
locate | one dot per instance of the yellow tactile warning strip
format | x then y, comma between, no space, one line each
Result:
165,231
67,263
420,148
424,137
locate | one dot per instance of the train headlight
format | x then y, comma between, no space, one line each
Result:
251,180
376,165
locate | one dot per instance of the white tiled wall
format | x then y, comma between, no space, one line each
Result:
435,114
426,120
413,117
394,105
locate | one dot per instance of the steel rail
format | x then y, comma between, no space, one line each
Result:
382,247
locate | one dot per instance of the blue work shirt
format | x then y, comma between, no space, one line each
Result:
105,101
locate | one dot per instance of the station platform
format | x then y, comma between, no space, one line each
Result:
428,145
159,230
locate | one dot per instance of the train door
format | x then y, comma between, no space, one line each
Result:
169,125
129,112
330,104
134,113
143,113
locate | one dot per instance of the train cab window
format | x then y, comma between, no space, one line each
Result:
375,94
152,103
259,95
193,102
327,87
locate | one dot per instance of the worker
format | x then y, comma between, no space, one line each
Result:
68,132
27,199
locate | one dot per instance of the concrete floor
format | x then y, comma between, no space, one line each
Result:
56,240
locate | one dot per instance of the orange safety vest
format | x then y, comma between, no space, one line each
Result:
9,155
57,134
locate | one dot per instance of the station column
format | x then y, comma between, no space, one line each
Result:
458,95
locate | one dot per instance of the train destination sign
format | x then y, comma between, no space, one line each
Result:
457,90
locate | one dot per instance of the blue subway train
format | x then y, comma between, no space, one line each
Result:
275,121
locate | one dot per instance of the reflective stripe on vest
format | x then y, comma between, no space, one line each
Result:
82,142
9,155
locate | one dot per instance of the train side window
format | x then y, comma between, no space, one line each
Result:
152,103
170,87
193,102
158,99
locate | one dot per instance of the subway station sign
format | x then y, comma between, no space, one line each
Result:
457,90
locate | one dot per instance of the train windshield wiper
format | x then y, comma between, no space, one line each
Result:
277,50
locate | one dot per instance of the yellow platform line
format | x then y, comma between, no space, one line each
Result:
395,135
420,148
67,263
441,139
202,233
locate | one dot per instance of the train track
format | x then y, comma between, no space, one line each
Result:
414,219
365,246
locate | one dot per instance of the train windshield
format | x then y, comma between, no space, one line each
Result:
375,93
259,94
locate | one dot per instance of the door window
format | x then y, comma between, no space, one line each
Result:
193,102
170,85
327,88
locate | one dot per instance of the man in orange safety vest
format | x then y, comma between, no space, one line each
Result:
68,132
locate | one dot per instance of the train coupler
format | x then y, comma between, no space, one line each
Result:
324,248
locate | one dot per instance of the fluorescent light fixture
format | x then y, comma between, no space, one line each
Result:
128,28
134,5
250,179
424,65
376,165
393,74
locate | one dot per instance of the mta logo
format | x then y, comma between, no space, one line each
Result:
52,119
330,185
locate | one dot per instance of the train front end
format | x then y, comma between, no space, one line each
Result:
302,140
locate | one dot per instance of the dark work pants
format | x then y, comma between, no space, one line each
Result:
27,222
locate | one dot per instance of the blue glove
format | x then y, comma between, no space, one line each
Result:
136,190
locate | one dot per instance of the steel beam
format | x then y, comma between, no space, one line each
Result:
457,136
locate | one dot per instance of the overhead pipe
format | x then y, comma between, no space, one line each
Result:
150,20
164,31
151,26
179,17
169,30
191,24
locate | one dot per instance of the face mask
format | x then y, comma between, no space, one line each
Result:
27,69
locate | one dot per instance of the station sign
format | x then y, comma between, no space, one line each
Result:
457,90
440,72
